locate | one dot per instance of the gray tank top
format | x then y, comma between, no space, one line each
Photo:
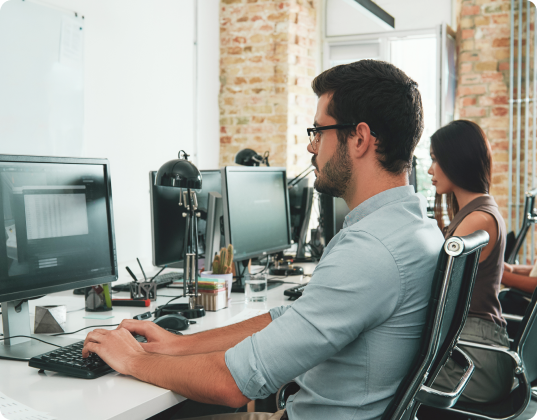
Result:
485,303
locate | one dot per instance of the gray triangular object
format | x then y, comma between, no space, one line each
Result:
48,324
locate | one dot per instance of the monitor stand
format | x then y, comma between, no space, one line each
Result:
16,322
238,285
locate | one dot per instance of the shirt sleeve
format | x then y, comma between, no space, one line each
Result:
354,288
278,311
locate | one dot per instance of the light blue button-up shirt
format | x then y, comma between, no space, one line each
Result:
351,337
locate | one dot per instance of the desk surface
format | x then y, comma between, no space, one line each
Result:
112,396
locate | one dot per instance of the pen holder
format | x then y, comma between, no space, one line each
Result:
144,290
98,298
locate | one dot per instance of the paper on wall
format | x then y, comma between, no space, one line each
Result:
71,42
14,410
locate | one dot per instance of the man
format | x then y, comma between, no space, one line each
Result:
350,339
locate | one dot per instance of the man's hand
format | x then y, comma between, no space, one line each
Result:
118,348
158,339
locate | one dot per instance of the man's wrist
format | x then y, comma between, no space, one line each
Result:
136,364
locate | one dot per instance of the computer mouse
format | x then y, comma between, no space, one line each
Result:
172,321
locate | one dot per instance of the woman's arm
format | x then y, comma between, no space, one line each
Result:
521,282
479,220
524,270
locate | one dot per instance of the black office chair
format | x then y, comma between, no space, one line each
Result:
452,287
523,351
515,301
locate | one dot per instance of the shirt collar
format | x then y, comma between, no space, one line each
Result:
376,202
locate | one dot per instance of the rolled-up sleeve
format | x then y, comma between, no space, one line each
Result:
354,288
278,311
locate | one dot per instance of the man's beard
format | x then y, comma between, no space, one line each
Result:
336,174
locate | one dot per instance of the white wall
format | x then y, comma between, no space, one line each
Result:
139,98
208,147
344,17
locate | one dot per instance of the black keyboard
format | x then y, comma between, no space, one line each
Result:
69,361
294,292
162,281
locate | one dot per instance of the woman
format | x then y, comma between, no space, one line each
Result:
461,169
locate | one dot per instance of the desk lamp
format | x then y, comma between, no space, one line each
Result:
183,174
249,157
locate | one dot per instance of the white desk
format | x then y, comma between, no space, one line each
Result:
112,396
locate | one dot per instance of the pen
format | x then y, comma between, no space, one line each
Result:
132,274
131,302
143,272
160,271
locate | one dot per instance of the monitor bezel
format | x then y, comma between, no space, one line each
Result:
227,227
30,293
156,261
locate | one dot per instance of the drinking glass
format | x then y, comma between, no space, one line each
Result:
255,288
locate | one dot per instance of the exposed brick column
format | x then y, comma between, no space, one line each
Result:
483,80
267,62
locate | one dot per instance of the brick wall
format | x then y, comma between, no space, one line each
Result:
483,80
267,62
483,92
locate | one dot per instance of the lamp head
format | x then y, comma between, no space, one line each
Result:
249,157
179,173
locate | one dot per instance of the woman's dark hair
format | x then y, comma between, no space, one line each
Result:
382,96
463,153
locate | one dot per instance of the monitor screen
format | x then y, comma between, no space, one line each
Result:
168,226
256,210
58,228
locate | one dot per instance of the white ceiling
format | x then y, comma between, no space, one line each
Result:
346,17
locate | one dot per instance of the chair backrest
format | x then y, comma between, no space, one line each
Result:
452,286
525,342
528,217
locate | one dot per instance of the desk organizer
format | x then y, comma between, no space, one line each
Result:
213,293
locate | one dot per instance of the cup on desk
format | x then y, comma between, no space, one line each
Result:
255,288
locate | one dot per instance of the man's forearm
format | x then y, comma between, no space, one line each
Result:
222,339
204,377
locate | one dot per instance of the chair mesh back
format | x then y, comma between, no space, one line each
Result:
452,301
457,305
458,296
527,339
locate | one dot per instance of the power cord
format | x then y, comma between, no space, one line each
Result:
85,328
27,336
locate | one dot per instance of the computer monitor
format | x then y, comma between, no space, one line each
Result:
300,203
58,234
256,211
167,225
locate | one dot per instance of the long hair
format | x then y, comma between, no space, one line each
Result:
463,152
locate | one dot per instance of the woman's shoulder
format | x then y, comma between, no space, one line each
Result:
477,220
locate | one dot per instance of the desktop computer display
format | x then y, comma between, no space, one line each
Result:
256,211
58,230
167,225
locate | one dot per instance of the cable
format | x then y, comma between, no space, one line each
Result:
91,326
33,338
166,304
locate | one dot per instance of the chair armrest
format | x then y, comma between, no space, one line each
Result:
285,392
438,399
513,318
519,366
519,292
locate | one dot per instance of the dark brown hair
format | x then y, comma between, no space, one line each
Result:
382,96
463,153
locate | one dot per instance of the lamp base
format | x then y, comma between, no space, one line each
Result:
180,308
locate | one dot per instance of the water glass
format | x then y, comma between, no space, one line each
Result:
255,288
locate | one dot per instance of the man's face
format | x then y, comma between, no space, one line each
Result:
333,167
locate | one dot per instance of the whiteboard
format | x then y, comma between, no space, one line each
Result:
41,80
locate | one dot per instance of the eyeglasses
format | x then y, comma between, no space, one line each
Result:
315,131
